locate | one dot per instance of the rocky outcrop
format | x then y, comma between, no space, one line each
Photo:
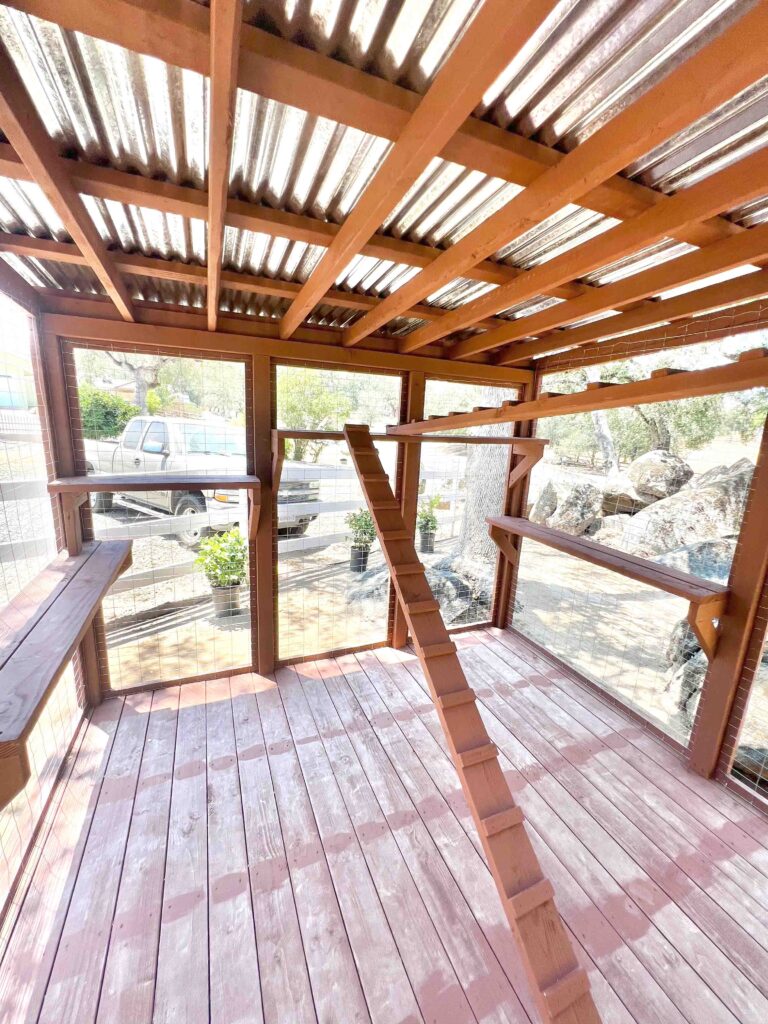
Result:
710,559
568,507
659,474
609,530
686,684
709,509
621,496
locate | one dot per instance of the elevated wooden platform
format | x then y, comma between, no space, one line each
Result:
301,852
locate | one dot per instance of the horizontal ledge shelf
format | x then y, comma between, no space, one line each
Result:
151,482
405,438
46,623
694,589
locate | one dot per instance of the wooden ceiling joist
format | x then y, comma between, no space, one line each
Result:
489,44
751,247
177,32
22,126
703,300
226,20
749,371
720,70
727,189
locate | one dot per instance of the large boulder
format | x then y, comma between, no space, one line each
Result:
710,559
682,646
711,510
659,474
545,504
578,507
609,530
620,496
686,684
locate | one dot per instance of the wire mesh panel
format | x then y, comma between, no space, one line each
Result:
750,764
442,397
27,533
667,482
333,585
183,608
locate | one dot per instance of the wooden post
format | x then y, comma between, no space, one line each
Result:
415,384
262,550
748,577
515,498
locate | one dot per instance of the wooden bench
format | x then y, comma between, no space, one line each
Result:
706,600
40,631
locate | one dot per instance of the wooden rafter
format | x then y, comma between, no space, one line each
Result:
22,125
15,287
482,53
751,247
725,190
226,20
124,187
176,31
721,69
749,371
703,300
193,273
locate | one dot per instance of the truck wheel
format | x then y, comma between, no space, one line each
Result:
101,501
191,505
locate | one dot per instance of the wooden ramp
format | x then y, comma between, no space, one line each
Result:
560,987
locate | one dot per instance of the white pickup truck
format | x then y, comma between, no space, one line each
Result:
157,444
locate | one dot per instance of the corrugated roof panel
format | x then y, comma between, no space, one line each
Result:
110,105
753,213
252,252
175,293
49,274
651,256
24,209
150,232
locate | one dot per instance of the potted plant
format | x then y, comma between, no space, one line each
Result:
426,520
363,536
223,558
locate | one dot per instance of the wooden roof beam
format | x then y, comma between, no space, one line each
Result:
22,126
725,190
124,187
481,55
226,21
738,376
751,247
177,31
721,69
704,300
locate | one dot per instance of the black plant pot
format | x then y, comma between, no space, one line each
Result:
427,541
226,600
358,557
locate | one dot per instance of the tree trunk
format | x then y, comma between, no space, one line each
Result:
658,428
602,429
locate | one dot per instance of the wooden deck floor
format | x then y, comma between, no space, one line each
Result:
238,851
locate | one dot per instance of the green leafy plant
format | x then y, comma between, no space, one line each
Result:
223,558
426,520
361,525
103,414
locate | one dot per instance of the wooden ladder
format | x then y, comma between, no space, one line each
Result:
559,985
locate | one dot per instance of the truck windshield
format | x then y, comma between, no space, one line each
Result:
209,440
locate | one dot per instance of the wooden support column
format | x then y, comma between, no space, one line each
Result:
515,498
415,384
262,550
748,576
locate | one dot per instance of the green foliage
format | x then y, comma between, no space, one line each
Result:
223,558
361,525
426,520
160,401
306,402
103,414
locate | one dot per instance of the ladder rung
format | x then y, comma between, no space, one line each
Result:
408,568
477,755
563,993
529,898
457,698
438,650
420,607
500,822
386,504
395,535
374,477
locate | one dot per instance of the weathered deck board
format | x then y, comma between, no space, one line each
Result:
242,851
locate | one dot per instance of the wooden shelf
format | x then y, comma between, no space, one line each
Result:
707,600
152,482
45,624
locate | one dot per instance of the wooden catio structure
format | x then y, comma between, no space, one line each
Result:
218,222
